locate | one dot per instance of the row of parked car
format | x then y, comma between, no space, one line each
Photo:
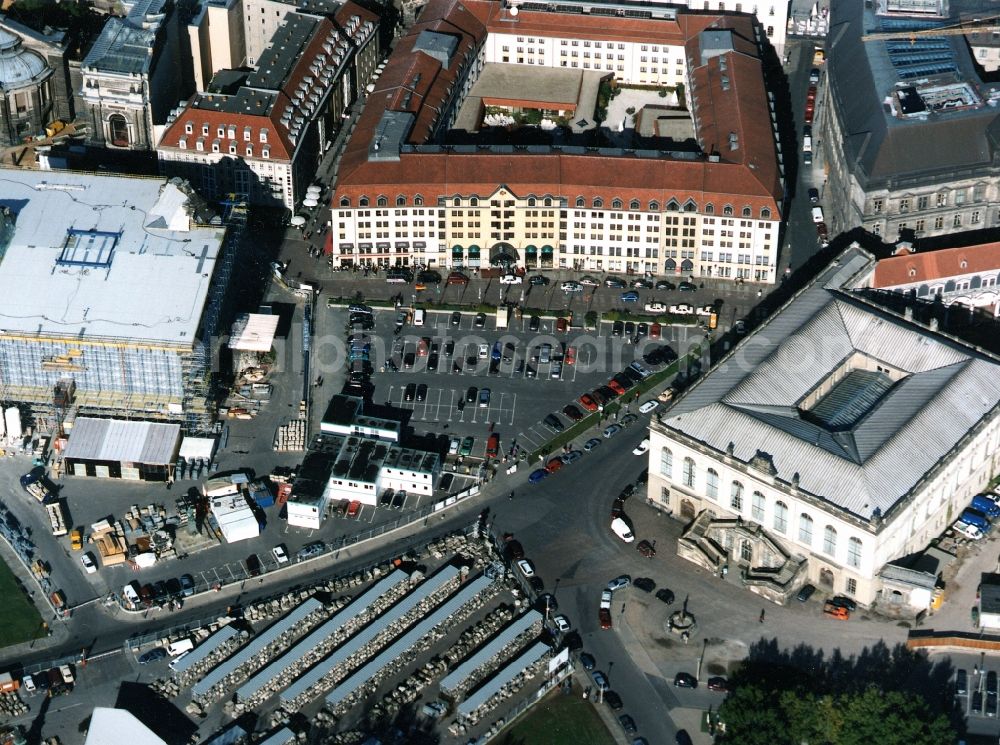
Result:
158,593
977,519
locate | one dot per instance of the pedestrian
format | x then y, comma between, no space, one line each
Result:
511,496
762,615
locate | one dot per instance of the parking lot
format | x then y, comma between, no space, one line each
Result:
440,372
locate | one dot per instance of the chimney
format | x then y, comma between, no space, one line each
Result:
908,313
933,324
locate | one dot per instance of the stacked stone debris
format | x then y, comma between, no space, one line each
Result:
497,661
11,706
407,695
461,725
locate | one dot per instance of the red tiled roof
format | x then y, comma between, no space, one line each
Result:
931,266
744,177
280,148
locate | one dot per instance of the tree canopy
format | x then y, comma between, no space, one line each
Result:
892,697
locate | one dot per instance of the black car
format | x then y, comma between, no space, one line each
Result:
572,412
628,724
588,661
513,550
685,680
552,422
683,738
687,287
480,320
536,583
805,593
629,329
642,329
187,585
432,362
421,392
409,360
157,653
632,374
530,372
718,683
623,380
386,499
534,323
627,491
160,595
644,583
665,595
399,500
471,394
174,588
842,601
449,348
961,682
617,328
253,565
410,391
429,277
613,700
538,279
456,318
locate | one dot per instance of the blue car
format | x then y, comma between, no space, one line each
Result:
630,297
537,475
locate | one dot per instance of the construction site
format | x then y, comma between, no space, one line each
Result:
115,318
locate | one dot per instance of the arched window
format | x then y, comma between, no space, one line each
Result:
854,552
709,209
598,203
345,202
381,202
923,291
654,206
806,529
666,463
474,201
531,201
736,496
457,201
747,212
418,201
634,204
765,214
118,130
727,210
548,201
757,507
363,202
688,475
780,517
712,483
829,540
581,202
616,204
400,201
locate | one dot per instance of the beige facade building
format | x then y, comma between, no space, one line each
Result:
834,440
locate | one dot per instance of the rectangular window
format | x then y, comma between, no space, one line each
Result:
942,199
921,203
876,206
904,205
852,586
780,517
806,529
736,496
975,217
688,472
854,553
666,463
758,507
957,221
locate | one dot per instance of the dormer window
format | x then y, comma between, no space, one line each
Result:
249,152
231,133
188,128
204,130
182,143
199,145
215,146
963,264
263,135
266,152
246,134
232,148
221,131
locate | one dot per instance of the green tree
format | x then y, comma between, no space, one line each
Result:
891,718
752,718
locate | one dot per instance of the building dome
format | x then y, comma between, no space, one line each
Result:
19,67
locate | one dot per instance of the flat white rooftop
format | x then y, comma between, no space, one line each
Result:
103,256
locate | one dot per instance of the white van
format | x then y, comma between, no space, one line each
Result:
179,647
176,660
817,213
621,529
418,317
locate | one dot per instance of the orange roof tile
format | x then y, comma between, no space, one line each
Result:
931,266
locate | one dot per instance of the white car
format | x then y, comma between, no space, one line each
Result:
648,406
526,569
29,684
454,445
562,623
605,599
969,531
88,563
642,448
571,286
510,279
682,309
484,351
280,554
656,308
130,595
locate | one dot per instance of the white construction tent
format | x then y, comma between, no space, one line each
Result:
235,518
254,332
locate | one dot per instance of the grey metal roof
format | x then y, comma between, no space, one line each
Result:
489,689
861,75
283,736
498,643
204,649
989,597
126,441
256,645
751,399
283,51
404,606
407,640
437,45
122,48
19,66
909,576
308,643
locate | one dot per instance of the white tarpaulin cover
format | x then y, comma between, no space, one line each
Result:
253,332
115,726
197,448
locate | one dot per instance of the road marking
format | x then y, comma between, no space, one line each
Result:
513,408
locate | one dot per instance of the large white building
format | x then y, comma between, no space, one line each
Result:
405,194
833,440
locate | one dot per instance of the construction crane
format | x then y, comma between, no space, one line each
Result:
968,26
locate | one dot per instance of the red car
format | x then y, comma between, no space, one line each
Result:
493,445
605,617
562,325
587,402
554,464
616,387
654,331
353,508
457,278
570,356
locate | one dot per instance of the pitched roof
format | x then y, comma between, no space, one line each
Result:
756,398
417,82
930,266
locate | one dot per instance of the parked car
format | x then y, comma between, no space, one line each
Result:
615,283
590,444
538,279
562,623
572,413
571,287
410,392
89,565
534,323
814,195
466,448
665,285
554,464
484,398
552,422
537,475
480,321
648,406
310,550
399,499
589,281
604,617
844,602
571,457
642,448
687,287
587,402
718,683
628,724
629,297
646,549
612,430
961,682
619,583
187,585
644,583
613,700
526,568
253,565
457,278
156,653
600,681
685,680
805,593
588,661
421,392
665,596
510,279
